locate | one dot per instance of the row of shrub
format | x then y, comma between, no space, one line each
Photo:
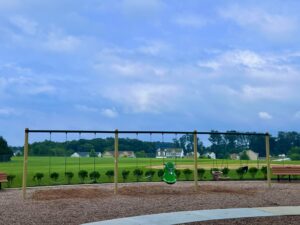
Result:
94,176
241,171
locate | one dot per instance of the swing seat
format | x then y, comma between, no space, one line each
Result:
169,176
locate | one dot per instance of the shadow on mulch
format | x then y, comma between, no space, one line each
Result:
142,190
72,193
92,193
171,190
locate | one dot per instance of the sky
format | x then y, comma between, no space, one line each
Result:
149,65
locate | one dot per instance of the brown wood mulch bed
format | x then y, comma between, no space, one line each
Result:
88,203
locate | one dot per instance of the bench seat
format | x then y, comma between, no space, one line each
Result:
3,178
285,170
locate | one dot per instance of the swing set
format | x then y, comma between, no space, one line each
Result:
169,175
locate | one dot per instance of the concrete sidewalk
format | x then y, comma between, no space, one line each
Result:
201,215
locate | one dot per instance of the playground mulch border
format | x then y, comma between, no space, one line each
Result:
87,203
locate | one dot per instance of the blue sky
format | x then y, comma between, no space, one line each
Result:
151,64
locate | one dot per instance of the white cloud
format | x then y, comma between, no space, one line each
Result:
153,48
85,108
113,63
266,92
194,21
9,4
15,79
149,98
26,25
61,43
110,113
7,111
256,18
245,58
297,115
264,116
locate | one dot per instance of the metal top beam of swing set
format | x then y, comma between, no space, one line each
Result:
145,132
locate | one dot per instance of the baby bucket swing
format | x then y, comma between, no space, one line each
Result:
169,175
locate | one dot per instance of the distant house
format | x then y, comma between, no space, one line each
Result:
191,155
169,153
234,156
252,155
84,154
210,155
17,153
128,154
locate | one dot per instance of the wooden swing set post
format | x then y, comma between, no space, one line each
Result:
195,160
116,161
267,138
25,162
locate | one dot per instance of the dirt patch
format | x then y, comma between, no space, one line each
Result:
171,190
73,193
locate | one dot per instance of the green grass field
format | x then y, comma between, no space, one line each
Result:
47,165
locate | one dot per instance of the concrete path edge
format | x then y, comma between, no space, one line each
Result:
201,215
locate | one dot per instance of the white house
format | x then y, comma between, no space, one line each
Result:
169,153
75,155
252,155
18,153
84,154
125,154
210,155
191,154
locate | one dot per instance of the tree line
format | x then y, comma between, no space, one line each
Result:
223,145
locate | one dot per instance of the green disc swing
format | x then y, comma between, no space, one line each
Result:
169,176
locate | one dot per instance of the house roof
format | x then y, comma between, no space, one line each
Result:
170,150
84,153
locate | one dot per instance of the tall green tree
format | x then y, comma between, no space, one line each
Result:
5,152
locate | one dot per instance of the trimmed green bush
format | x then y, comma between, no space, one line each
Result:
138,173
225,171
54,176
160,173
240,172
82,174
110,174
201,173
38,177
177,172
149,174
95,175
187,173
10,179
125,174
253,171
264,171
69,176
214,170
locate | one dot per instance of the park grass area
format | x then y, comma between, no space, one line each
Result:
47,165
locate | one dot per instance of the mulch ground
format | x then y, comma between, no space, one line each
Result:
88,203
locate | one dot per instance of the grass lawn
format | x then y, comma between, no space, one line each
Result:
47,165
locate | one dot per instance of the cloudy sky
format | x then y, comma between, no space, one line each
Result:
151,64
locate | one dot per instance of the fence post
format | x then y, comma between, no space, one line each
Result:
25,161
116,162
267,137
195,160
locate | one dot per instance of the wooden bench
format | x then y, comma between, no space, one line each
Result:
285,170
3,178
